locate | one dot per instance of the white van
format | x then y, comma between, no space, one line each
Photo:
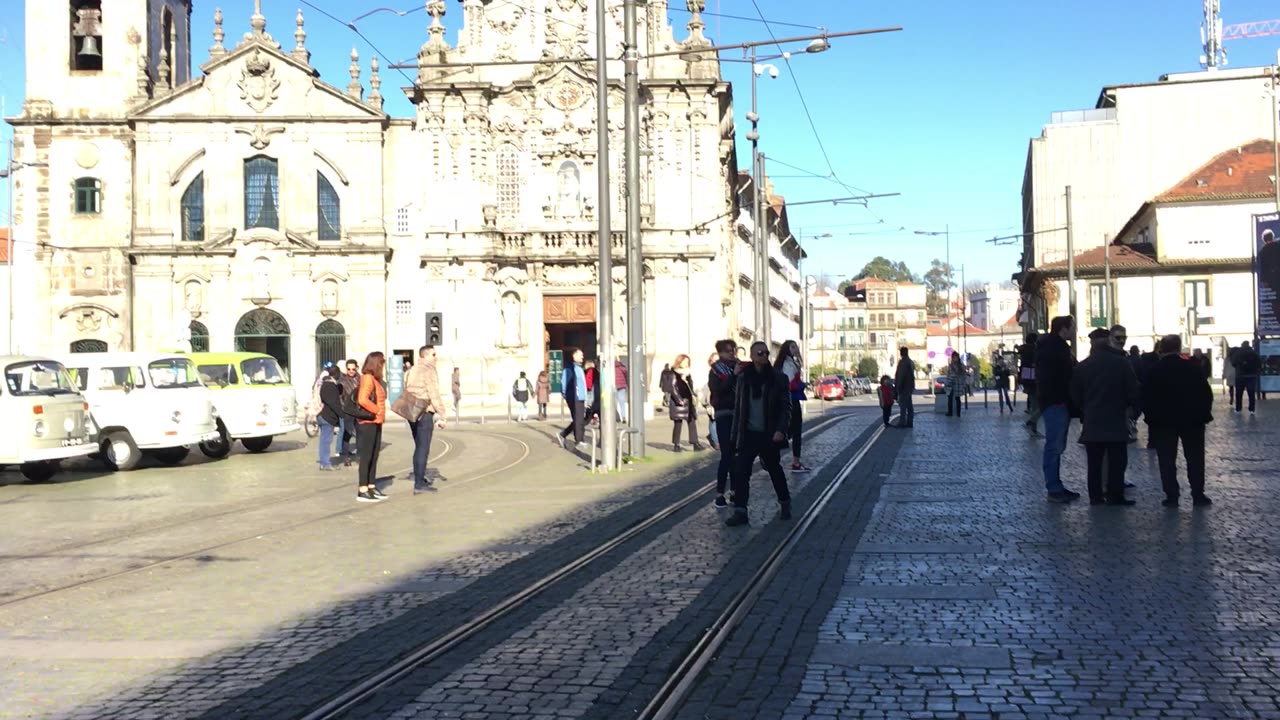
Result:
252,396
152,403
45,419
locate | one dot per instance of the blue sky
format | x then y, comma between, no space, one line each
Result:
940,112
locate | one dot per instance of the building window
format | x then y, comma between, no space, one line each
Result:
88,196
86,35
328,209
261,193
331,344
193,211
199,336
1195,296
402,221
1099,316
509,184
404,312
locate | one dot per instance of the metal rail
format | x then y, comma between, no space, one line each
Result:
431,651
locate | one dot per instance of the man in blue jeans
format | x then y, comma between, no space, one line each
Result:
1055,363
722,381
423,383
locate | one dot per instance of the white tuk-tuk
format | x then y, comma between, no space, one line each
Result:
46,420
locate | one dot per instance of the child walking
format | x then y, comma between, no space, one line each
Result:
886,397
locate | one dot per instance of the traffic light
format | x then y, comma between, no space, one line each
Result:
435,329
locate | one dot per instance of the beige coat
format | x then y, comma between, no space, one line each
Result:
423,382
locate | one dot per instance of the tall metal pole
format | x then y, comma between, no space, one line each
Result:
762,302
1275,125
1071,263
764,258
605,383
1106,279
635,244
9,258
964,312
950,282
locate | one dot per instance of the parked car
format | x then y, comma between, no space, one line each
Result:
939,384
46,418
864,385
253,399
830,388
144,403
847,383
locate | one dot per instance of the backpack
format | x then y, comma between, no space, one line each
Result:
521,394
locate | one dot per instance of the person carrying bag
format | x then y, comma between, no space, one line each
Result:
521,390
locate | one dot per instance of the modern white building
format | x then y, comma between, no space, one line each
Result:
254,206
1138,143
994,306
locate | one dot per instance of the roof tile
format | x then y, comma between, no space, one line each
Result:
1240,173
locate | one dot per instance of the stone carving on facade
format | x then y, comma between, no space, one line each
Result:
568,200
261,281
490,212
260,135
259,86
88,321
567,95
329,298
193,297
504,17
573,276
510,307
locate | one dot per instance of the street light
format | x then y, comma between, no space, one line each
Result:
947,233
7,173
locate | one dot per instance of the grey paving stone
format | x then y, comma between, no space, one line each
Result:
923,592
920,656
908,548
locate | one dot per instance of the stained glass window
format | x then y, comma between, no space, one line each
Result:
328,210
193,211
261,193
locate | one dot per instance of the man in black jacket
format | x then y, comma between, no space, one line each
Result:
905,385
1104,388
1179,403
722,383
761,416
1248,366
1055,362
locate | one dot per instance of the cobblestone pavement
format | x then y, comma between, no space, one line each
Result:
970,596
276,562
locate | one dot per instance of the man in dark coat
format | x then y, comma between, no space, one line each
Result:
1105,388
1179,403
1248,366
722,381
905,385
1055,362
761,417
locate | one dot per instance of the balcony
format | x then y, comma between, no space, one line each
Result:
1082,116
882,325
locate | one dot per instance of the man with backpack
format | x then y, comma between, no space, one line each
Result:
521,390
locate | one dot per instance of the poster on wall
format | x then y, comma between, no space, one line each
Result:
1269,350
1267,273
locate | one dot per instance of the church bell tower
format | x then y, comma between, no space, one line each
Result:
96,59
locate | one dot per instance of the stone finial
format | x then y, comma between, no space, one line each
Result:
162,70
217,50
259,24
375,84
436,47
696,25
300,52
354,89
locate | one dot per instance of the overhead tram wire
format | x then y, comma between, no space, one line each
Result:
352,27
744,18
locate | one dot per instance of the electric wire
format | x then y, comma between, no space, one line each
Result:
352,27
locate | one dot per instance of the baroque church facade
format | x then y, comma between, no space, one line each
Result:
256,207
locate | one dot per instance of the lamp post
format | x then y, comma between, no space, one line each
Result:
946,232
7,173
605,375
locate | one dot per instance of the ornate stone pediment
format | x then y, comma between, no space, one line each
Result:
569,275
258,84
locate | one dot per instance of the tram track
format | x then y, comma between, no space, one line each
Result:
432,651
214,547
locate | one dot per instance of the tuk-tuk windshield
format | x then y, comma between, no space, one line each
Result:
42,377
219,375
262,371
173,373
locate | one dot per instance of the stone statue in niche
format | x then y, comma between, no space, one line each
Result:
510,308
262,279
193,297
329,298
568,190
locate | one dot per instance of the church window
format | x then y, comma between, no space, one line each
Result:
86,35
88,196
261,193
509,184
193,211
169,35
402,221
328,209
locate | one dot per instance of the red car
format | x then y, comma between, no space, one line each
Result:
830,388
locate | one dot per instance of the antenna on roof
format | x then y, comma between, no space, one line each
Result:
1215,55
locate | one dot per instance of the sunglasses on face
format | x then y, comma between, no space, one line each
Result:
1119,338
761,353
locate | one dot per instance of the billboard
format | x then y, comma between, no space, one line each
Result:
1269,350
1266,267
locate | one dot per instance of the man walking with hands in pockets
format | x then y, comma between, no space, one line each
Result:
423,385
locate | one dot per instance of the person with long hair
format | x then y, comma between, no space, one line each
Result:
789,364
371,401
680,406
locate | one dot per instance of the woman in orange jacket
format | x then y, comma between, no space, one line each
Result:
371,397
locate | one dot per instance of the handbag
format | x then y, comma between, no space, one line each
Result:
409,406
354,409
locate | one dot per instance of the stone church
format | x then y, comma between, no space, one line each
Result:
254,206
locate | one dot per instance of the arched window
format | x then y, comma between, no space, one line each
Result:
328,210
264,331
199,337
88,346
86,35
331,343
88,196
261,193
193,211
509,185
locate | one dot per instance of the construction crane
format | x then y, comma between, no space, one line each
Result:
1213,34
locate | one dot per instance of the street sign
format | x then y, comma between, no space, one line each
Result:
395,378
555,368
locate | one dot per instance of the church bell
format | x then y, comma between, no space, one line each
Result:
90,47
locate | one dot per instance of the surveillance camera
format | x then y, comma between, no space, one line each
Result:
773,72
